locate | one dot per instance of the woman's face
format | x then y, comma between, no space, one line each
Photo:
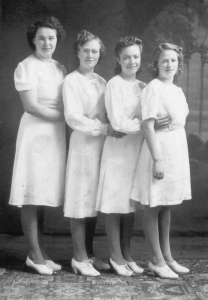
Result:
45,42
89,54
130,60
167,65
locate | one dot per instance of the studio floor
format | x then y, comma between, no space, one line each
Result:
18,282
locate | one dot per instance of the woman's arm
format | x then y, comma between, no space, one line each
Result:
31,106
150,137
116,111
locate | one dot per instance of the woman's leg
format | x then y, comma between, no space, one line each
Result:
29,219
126,227
40,230
164,232
78,231
112,223
90,233
152,234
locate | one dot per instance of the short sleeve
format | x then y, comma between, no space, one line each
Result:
150,102
24,76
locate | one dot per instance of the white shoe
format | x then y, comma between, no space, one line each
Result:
177,268
122,270
99,264
134,267
53,265
41,269
163,272
84,268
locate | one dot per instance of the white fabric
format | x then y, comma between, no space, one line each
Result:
83,105
40,159
120,155
159,98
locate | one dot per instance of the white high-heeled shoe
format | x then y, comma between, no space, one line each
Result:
84,268
134,267
53,265
163,272
177,268
122,270
41,269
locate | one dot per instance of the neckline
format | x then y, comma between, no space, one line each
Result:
45,63
90,79
130,82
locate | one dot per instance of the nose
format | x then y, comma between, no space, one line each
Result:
132,60
46,42
89,54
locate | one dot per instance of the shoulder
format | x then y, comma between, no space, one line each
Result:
153,86
60,67
101,80
115,81
73,76
27,63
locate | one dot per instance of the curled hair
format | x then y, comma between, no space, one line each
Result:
48,22
153,65
85,36
123,43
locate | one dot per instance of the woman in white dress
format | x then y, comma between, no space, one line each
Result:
85,113
163,177
122,99
39,166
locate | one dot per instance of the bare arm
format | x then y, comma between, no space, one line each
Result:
31,106
150,137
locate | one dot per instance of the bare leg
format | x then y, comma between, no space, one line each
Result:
164,232
127,222
90,233
112,223
152,234
78,229
29,221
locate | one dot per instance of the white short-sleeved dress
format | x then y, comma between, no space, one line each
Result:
85,113
159,98
40,159
120,155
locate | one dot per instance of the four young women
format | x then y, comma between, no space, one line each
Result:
110,169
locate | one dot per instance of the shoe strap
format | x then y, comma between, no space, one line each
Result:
127,267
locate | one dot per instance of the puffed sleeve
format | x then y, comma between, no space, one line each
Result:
24,76
74,114
180,120
116,111
150,103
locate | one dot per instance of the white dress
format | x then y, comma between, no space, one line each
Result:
120,155
159,98
84,109
40,159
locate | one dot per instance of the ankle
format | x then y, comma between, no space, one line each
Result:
158,261
168,258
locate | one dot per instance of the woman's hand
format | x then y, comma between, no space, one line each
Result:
112,132
158,170
162,122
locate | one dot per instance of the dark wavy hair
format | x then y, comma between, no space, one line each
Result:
153,65
85,36
123,43
48,22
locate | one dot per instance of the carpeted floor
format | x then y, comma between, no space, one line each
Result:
18,282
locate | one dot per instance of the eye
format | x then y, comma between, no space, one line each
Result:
95,52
